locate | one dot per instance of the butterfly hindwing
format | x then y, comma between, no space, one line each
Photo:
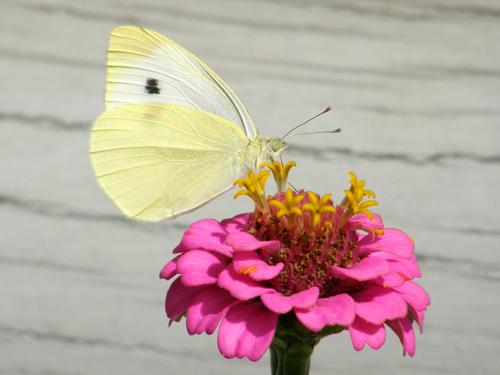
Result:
156,161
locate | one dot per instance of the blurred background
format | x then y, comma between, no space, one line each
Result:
415,86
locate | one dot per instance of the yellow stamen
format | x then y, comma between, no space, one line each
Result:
253,186
247,270
290,207
379,232
280,172
353,201
318,207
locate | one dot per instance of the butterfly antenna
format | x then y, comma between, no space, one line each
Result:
338,130
327,109
293,187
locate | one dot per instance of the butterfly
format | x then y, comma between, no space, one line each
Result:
173,135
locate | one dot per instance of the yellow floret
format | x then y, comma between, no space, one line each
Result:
253,186
280,172
318,207
290,206
353,201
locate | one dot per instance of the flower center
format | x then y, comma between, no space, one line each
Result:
314,233
310,246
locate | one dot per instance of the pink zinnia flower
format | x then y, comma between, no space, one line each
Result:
298,261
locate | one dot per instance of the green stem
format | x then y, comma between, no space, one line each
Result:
293,346
291,355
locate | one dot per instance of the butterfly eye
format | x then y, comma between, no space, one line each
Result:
152,86
277,145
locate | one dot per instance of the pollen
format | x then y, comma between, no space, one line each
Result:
318,206
253,186
403,276
247,270
280,172
290,206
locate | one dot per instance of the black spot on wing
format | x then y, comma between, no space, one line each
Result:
152,86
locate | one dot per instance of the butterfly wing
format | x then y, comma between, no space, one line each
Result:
144,67
156,161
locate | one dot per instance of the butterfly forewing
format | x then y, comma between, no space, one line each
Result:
146,67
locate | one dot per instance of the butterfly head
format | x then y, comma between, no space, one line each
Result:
277,146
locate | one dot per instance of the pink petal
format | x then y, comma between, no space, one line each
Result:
329,311
401,271
407,266
281,304
207,310
393,241
419,317
235,224
368,268
391,280
247,331
414,295
243,241
198,267
240,286
205,234
251,264
377,304
363,222
180,248
363,333
179,298
170,269
404,330
398,275
412,266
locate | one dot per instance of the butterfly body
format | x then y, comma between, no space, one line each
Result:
173,135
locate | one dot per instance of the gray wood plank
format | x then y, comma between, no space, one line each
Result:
415,87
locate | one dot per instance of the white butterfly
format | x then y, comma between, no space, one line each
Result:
173,135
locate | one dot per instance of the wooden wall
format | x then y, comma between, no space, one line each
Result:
415,85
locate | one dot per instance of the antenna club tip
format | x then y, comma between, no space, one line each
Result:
327,109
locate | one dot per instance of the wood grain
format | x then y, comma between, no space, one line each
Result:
415,87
